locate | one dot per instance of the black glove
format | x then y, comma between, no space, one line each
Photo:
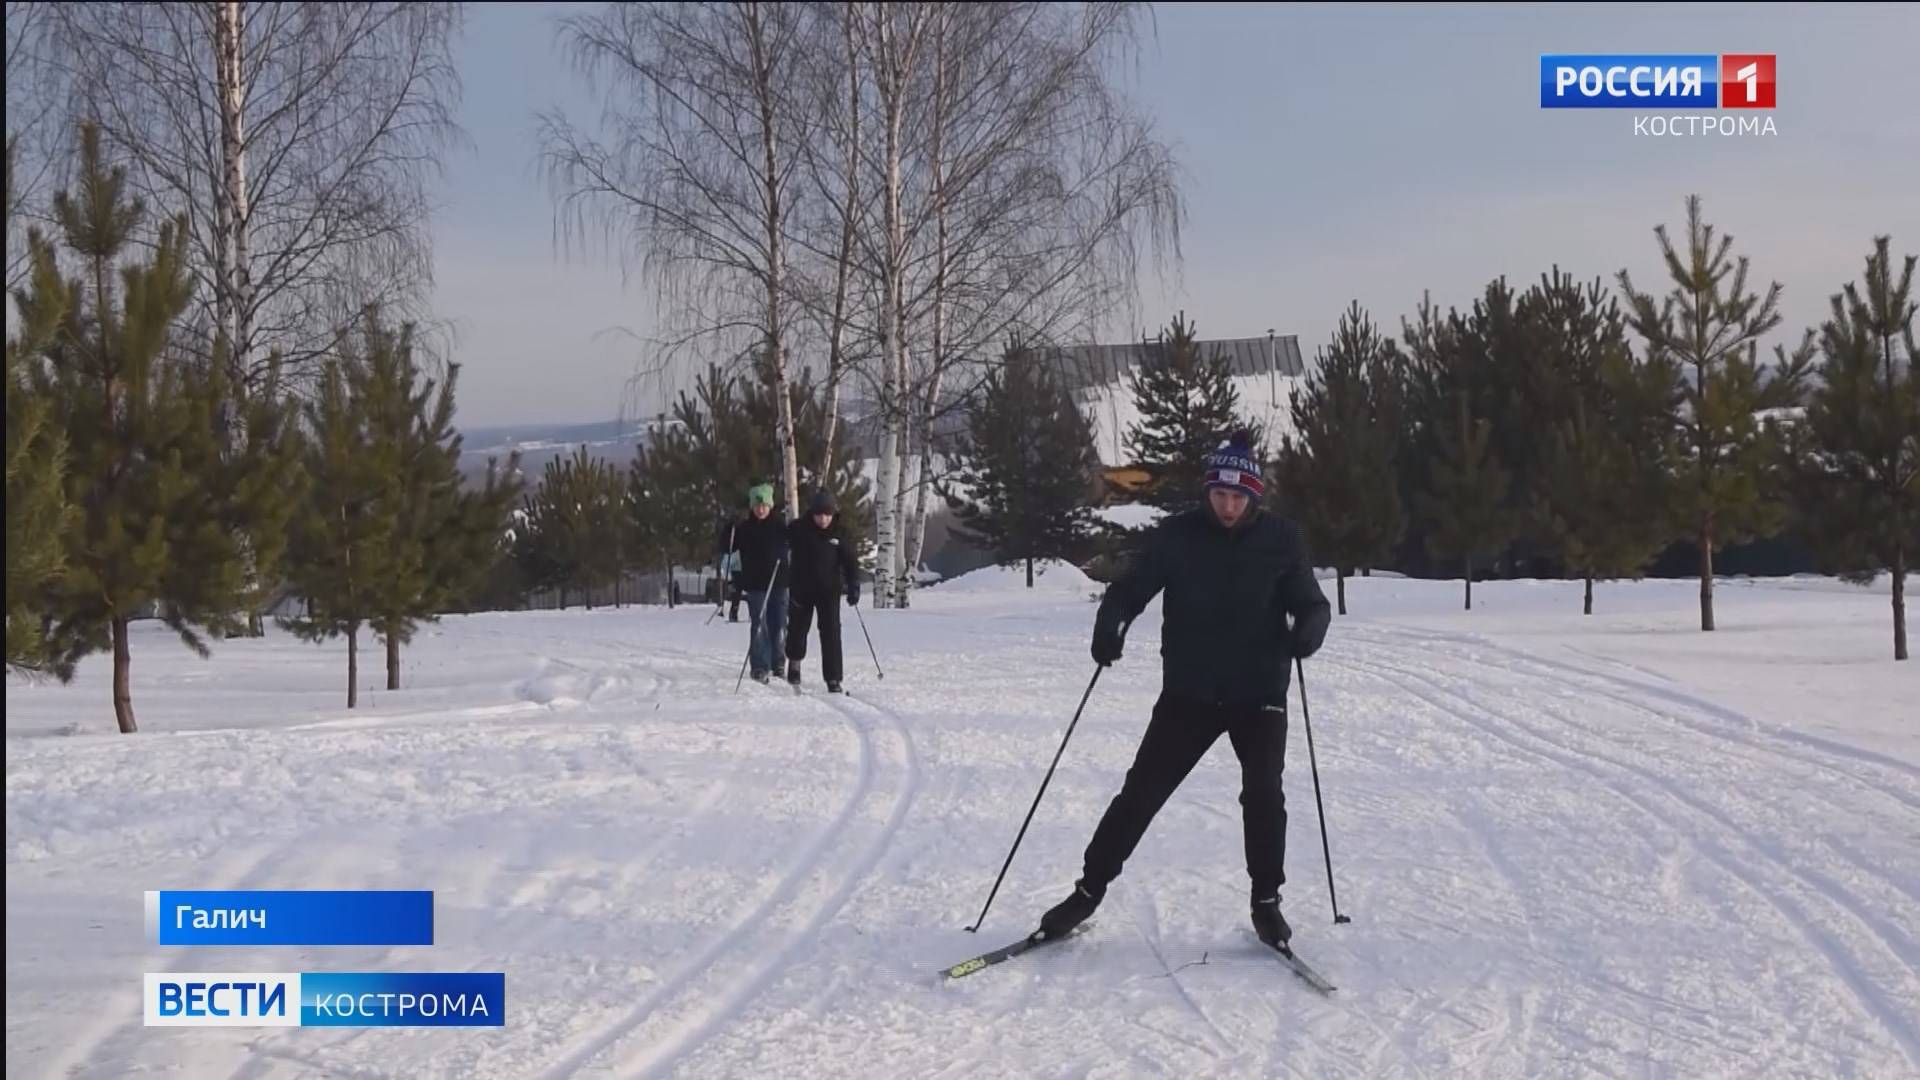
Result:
1306,638
853,596
1107,642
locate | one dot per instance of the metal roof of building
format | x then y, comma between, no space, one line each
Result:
1084,367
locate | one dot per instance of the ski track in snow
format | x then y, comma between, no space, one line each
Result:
1728,844
1559,864
893,777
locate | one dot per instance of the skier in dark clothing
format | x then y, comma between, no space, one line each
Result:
760,551
823,568
730,570
1232,576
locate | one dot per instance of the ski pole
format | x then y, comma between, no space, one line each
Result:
760,621
722,605
869,637
1036,799
1306,718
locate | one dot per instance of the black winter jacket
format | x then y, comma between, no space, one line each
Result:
1225,636
823,561
762,546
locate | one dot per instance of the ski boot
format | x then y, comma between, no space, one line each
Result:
1071,912
834,688
1267,922
793,672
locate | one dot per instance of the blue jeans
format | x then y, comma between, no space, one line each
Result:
768,630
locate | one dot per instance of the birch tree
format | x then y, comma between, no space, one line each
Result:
302,140
1021,188
693,168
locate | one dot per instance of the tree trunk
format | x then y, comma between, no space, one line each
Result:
229,49
1900,497
917,523
1469,583
233,155
1706,576
122,684
1340,587
1366,571
893,330
843,269
903,476
773,221
563,598
1589,595
1899,603
393,660
1029,571
353,667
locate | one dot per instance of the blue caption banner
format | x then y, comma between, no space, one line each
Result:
403,999
325,999
291,917
1629,81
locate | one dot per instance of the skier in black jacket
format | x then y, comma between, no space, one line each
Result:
729,563
760,548
1232,576
823,564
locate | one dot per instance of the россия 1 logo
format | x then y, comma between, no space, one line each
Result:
1726,82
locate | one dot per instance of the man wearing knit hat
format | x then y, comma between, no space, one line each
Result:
824,570
760,544
1241,604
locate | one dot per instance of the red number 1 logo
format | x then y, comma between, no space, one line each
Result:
1746,81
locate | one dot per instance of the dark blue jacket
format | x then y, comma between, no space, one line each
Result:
1225,632
824,566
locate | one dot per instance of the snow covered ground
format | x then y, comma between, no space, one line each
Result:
1569,846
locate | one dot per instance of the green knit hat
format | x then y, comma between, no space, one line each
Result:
760,495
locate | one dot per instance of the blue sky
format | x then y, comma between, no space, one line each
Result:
1332,153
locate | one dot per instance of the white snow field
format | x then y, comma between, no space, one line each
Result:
1609,846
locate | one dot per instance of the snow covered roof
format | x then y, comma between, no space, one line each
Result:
1085,366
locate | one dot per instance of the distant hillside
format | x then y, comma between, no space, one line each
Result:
612,440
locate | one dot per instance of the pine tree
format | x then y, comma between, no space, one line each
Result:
578,533
668,505
608,525
411,422
343,543
1601,500
728,447
1606,514
538,557
1026,468
1338,468
1710,326
1463,491
1187,403
1858,500
476,567
264,483
1466,505
552,514
38,515
145,460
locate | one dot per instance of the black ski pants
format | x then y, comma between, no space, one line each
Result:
800,613
1178,736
